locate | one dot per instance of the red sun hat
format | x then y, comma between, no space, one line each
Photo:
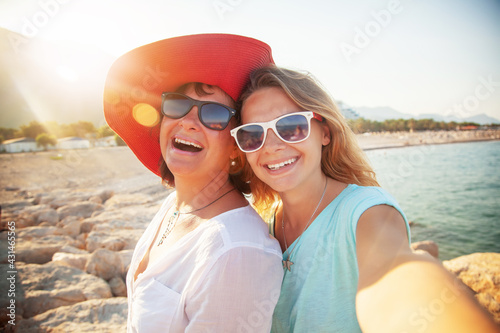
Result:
136,80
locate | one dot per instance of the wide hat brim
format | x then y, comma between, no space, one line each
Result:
136,80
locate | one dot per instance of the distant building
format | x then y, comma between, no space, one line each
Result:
108,141
468,128
20,145
72,142
347,111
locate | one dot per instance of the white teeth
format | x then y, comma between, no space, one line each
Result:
184,142
282,164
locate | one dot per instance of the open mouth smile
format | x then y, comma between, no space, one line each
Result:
186,145
283,164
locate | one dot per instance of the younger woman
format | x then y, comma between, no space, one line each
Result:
346,256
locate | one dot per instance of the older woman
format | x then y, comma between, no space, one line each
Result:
346,256
206,263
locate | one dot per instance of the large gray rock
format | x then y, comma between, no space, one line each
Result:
48,216
98,315
28,216
105,264
82,209
71,259
62,197
105,195
118,287
70,226
114,241
481,273
123,200
126,257
39,250
28,234
72,249
50,286
16,205
133,217
118,229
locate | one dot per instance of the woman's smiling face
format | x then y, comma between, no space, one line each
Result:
189,148
281,165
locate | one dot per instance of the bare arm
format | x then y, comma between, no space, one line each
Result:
403,291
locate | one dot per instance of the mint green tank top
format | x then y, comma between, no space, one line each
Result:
319,293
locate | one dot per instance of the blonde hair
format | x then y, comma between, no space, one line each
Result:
342,159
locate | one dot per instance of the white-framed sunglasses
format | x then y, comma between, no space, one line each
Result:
291,128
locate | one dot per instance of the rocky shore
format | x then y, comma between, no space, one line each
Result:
70,221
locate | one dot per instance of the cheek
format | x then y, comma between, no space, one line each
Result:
252,160
220,138
221,143
313,153
165,128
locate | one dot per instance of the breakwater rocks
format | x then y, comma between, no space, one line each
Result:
64,258
73,248
481,273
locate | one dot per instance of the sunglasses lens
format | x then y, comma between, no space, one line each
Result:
250,137
293,128
175,106
215,116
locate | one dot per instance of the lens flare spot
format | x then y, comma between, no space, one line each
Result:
111,97
145,114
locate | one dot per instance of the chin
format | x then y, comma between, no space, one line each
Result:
281,185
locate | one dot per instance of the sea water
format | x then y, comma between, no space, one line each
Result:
450,193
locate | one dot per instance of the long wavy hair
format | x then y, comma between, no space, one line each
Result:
342,159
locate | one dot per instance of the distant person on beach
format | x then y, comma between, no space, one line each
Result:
348,265
206,262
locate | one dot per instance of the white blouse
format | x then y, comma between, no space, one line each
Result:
224,276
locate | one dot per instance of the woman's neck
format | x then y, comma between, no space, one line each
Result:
193,194
299,203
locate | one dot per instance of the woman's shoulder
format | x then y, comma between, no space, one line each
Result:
355,192
244,227
355,199
243,220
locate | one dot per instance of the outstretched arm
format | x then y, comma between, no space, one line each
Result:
403,291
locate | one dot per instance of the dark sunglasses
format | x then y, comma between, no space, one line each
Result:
291,128
212,115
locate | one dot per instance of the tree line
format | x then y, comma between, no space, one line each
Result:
47,133
362,125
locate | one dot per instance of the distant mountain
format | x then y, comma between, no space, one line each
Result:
381,113
43,81
385,113
483,119
438,117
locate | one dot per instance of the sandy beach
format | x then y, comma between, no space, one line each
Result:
401,139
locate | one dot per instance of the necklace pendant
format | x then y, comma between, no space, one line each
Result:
287,264
171,223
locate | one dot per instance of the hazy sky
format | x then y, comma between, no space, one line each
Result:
439,56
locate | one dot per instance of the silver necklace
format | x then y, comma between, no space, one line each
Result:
288,263
172,221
